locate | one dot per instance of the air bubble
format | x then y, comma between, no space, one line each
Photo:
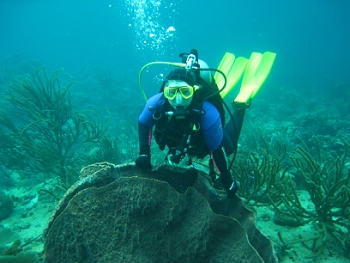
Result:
147,24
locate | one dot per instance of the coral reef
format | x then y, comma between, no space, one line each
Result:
272,177
327,180
260,171
169,214
40,131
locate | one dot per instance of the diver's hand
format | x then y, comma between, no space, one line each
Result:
144,161
232,190
230,186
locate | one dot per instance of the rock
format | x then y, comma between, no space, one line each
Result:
7,236
24,225
26,256
170,214
6,206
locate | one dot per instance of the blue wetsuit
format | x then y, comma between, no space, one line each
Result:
198,133
210,123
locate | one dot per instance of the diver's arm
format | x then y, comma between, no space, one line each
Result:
145,137
213,137
211,126
220,163
145,124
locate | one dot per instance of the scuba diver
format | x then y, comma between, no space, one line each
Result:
188,114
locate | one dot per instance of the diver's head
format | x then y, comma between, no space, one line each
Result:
179,88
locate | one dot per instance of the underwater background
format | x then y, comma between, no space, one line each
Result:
310,38
102,45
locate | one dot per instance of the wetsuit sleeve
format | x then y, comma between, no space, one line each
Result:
146,122
211,126
146,117
213,136
145,135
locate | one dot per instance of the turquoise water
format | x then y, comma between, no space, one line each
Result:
310,37
103,45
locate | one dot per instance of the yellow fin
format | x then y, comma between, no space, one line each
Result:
263,70
225,66
256,72
234,75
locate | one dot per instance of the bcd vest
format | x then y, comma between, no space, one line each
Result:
181,134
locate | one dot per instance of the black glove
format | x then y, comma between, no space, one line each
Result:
230,186
144,162
144,159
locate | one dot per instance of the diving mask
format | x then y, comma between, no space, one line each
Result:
185,91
